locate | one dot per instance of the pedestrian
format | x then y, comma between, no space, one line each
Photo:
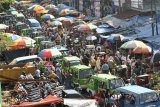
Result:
59,72
37,73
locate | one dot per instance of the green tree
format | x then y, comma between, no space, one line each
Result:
5,4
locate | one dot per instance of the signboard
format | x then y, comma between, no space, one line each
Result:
137,4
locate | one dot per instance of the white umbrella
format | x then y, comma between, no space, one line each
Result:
116,37
91,38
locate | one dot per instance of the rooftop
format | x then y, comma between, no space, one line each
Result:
134,89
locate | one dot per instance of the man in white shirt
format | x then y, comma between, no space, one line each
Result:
37,73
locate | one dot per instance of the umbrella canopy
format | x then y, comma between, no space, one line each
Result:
86,27
32,7
114,37
64,12
38,8
133,44
24,42
91,38
101,30
12,36
49,7
42,11
47,16
3,26
70,17
55,23
142,50
49,53
61,19
155,57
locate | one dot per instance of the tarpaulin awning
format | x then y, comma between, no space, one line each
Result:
48,100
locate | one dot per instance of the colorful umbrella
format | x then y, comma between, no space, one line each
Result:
42,11
84,28
142,50
24,42
11,36
32,7
47,16
49,53
38,8
133,44
55,23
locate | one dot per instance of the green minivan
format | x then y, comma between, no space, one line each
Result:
101,82
80,74
69,61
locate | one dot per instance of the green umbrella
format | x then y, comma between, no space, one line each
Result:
132,44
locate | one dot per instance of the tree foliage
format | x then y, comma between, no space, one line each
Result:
4,4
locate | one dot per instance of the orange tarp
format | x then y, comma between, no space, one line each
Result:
48,100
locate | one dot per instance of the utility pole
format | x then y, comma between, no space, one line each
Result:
152,18
155,7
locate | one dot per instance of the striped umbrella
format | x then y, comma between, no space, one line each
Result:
133,44
49,53
23,42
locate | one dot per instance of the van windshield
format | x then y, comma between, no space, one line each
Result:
35,24
85,73
115,83
149,97
73,63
